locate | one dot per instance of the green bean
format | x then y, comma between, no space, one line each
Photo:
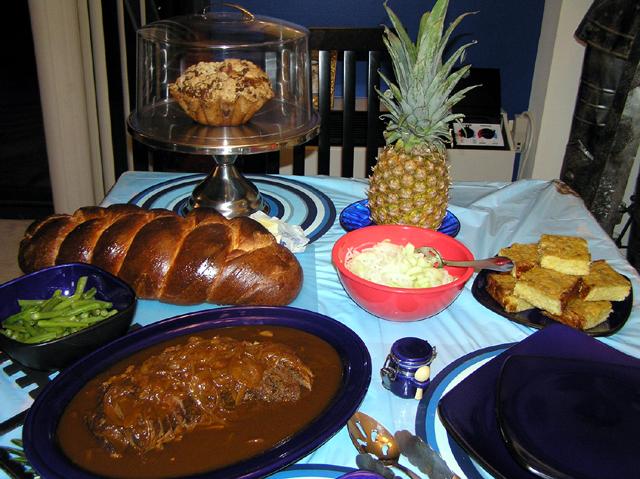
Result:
30,302
59,323
101,317
41,338
40,315
16,327
50,303
15,318
10,333
83,309
80,285
66,303
42,320
15,452
73,311
90,293
30,329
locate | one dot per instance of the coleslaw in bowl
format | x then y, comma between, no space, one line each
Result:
396,265
399,303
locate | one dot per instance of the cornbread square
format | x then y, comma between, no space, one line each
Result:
523,255
581,314
603,283
546,289
500,287
566,254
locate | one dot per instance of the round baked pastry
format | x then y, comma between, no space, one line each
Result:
225,93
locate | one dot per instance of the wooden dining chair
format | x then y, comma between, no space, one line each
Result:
347,127
341,52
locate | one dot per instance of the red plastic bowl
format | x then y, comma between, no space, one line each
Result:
401,304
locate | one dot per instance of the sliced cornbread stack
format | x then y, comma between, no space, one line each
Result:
556,276
500,287
547,289
523,255
603,283
566,254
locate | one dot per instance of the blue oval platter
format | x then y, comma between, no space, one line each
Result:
39,432
357,215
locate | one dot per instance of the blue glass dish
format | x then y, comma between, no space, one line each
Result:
59,353
567,418
39,431
357,215
468,410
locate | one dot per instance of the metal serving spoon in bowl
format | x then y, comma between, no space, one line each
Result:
369,436
497,263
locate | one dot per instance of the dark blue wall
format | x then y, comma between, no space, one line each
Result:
507,31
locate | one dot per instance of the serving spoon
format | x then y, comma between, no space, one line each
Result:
497,263
369,436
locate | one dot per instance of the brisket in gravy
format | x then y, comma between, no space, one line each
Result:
198,403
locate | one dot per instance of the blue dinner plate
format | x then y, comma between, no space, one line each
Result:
357,215
568,418
468,410
39,431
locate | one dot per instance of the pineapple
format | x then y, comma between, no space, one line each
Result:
410,182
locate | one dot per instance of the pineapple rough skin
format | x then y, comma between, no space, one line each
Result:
409,189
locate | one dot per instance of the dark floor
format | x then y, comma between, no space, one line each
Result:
25,188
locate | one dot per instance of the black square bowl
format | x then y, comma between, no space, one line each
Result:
61,352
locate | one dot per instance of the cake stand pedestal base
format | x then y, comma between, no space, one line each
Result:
226,190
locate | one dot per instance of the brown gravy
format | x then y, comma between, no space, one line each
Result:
259,427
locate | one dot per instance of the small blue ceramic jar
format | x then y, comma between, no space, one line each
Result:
406,370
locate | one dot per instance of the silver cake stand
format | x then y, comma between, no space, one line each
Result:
165,126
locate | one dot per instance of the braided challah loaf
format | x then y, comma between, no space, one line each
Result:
202,257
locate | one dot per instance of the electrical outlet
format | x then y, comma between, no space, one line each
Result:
521,129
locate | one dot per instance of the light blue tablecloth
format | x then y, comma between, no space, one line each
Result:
492,215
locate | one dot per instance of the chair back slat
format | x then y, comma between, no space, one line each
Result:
272,162
324,107
373,110
298,159
348,128
348,110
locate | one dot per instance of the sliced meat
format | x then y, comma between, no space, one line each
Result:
198,383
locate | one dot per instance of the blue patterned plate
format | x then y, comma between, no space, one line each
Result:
288,199
356,215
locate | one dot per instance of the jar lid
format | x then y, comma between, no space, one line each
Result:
412,351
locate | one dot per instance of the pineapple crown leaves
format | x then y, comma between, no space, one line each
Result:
419,103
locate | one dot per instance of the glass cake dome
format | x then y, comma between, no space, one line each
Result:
167,48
